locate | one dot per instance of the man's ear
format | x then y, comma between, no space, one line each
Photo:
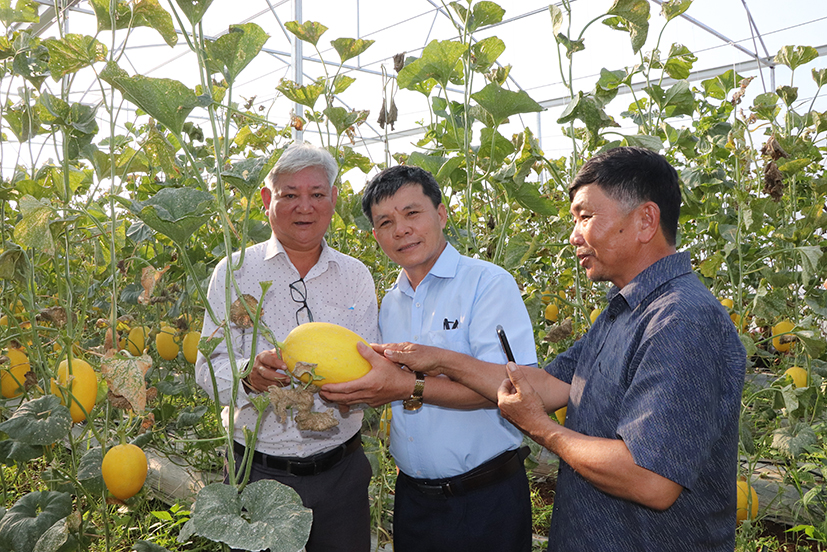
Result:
334,193
648,221
442,212
266,195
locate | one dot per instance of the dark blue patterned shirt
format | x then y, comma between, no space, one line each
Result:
662,369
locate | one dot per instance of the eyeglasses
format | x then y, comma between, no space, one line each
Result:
298,292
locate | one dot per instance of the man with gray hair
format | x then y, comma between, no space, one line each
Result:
310,282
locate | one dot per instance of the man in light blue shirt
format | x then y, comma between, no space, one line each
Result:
462,484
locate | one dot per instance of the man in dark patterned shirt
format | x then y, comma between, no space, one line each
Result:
649,450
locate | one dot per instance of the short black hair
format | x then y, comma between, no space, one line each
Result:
631,176
389,181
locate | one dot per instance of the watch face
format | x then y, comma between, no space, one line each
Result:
412,404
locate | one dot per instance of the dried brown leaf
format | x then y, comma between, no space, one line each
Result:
773,181
125,377
559,332
316,421
238,314
149,277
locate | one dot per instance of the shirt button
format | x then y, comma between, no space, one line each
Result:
418,305
410,439
612,317
416,337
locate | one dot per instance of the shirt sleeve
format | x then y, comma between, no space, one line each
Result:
499,303
220,357
564,364
673,410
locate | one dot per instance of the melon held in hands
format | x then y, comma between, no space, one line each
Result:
332,348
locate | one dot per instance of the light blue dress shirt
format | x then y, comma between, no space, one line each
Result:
470,298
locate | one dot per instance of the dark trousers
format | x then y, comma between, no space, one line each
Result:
496,518
338,498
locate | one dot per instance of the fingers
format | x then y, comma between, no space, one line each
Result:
515,375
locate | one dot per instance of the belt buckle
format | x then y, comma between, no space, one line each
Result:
448,488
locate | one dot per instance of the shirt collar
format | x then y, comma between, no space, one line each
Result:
275,248
654,276
446,266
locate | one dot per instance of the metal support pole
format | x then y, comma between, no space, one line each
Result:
296,58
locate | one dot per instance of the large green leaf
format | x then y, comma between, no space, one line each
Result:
718,87
482,14
349,48
266,514
248,175
89,471
41,421
680,62
13,265
494,145
636,15
502,103
306,95
73,52
794,440
12,452
30,517
674,8
309,31
232,52
23,121
24,11
486,52
343,119
194,9
33,228
439,61
168,100
54,538
144,13
796,56
175,212
586,109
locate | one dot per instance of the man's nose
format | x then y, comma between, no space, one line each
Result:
575,238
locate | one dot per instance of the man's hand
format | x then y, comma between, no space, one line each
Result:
268,369
519,403
385,382
418,358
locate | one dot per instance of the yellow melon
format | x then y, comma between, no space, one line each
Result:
330,346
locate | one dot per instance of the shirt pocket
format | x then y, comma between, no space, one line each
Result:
453,340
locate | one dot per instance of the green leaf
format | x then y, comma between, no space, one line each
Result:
501,103
306,95
636,15
273,517
175,212
194,9
349,48
679,100
72,53
190,416
813,344
674,8
795,56
343,119
309,31
680,62
794,440
12,452
431,163
495,146
718,87
41,421
556,18
13,266
89,471
644,141
30,517
25,11
788,94
486,52
248,175
232,52
32,62
439,61
342,83
586,109
162,154
482,14
144,13
168,100
54,538
24,122
820,77
33,229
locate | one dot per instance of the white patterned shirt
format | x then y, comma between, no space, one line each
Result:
340,290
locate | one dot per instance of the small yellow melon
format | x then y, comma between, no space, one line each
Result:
330,346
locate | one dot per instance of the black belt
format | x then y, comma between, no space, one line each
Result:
312,465
493,471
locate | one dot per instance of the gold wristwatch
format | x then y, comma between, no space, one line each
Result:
415,400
